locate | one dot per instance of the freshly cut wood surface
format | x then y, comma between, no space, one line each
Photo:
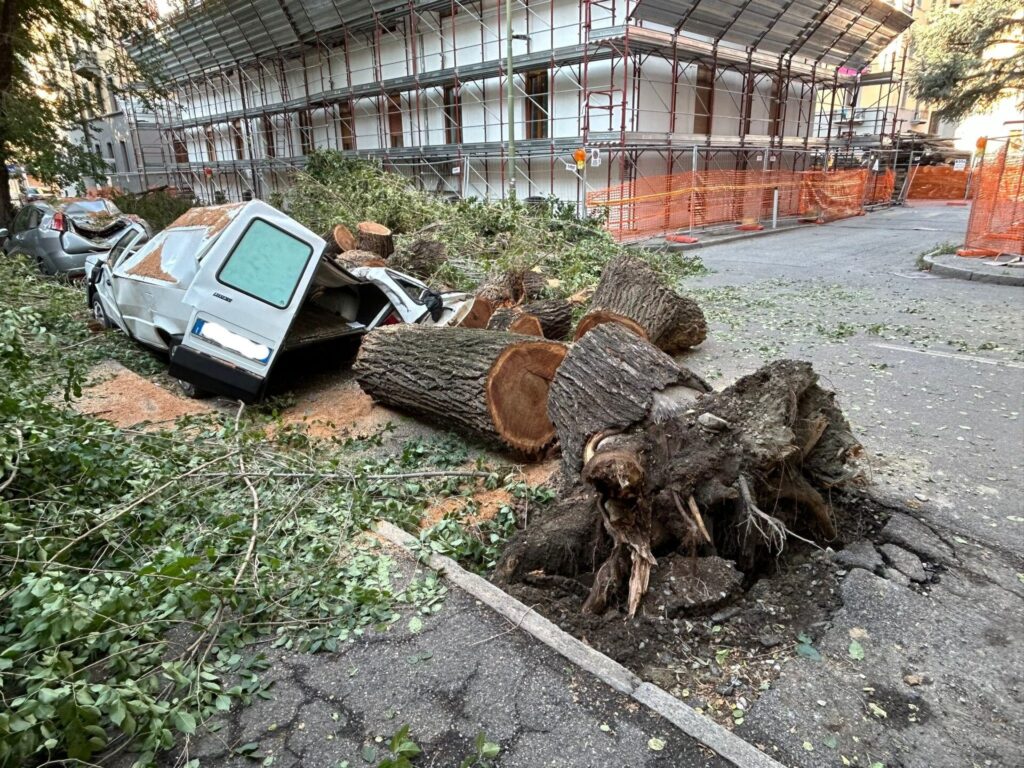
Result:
514,320
375,238
486,384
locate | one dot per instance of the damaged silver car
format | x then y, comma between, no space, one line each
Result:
59,239
227,289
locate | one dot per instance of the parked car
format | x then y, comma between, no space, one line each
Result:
59,239
225,290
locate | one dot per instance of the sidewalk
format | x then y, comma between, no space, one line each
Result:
976,270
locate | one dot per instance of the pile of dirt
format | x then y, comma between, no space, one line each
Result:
118,395
721,657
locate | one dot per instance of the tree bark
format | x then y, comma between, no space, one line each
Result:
358,258
488,385
630,293
375,238
607,383
555,316
10,23
420,258
513,287
514,320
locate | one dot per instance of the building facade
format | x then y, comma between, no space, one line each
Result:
636,87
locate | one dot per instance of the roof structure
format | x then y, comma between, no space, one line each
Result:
844,33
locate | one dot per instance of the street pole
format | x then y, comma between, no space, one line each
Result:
511,103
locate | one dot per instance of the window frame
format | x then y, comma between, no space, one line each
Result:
452,111
295,287
536,116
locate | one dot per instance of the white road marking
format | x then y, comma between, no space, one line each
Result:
951,355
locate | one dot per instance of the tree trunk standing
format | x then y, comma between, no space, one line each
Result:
555,316
514,320
606,384
629,288
489,385
9,29
375,238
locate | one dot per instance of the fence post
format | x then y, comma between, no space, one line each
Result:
693,186
775,208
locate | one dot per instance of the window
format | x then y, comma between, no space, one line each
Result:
124,155
537,89
395,119
22,219
180,148
269,141
127,245
110,156
306,131
346,125
452,115
267,264
211,145
238,138
702,105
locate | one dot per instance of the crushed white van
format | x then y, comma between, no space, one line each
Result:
226,289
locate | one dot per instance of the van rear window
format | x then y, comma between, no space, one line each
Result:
267,264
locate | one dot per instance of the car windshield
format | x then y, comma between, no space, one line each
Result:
87,207
131,238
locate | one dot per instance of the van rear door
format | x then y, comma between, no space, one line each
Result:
245,295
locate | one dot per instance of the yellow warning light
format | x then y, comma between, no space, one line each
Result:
580,156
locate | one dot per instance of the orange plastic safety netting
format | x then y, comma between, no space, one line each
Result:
937,182
655,205
997,217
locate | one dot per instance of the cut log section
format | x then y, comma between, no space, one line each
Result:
420,258
358,258
514,320
343,238
606,384
513,287
485,384
631,290
375,238
555,316
476,315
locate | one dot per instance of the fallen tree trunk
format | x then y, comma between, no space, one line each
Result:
607,383
343,238
488,385
375,238
630,293
420,258
733,475
358,258
513,287
554,315
514,320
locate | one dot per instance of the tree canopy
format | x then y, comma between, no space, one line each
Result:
970,58
42,102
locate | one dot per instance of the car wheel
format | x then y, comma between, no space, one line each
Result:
98,313
41,265
188,389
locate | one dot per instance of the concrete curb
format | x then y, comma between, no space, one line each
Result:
720,240
975,276
724,742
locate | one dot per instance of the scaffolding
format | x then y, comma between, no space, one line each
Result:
734,86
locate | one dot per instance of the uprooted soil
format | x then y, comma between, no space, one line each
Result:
719,659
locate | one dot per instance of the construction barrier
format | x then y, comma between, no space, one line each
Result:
937,182
657,205
996,225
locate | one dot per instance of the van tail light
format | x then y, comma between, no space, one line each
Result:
58,222
393,319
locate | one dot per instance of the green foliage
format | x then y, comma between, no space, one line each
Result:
969,58
484,753
158,207
41,102
137,567
481,237
403,750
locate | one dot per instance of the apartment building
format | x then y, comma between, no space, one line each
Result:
468,96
